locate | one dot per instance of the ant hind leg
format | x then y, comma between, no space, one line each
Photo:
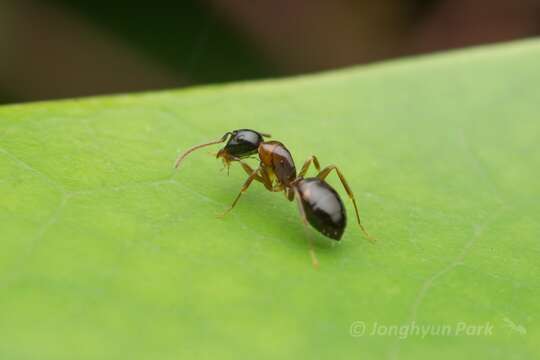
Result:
324,173
314,260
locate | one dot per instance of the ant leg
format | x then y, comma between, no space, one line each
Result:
244,188
253,175
312,159
302,212
289,193
266,179
262,175
324,173
249,170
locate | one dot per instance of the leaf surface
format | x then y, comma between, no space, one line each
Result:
107,253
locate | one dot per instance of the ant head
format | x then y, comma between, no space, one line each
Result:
241,144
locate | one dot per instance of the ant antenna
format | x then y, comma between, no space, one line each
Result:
266,135
196,147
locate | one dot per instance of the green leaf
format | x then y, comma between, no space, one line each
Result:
107,253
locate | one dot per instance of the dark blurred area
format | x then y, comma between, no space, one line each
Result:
69,48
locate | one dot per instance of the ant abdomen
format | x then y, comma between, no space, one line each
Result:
323,207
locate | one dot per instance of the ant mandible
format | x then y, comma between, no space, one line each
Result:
318,203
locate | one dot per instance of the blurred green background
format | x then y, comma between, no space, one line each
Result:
69,48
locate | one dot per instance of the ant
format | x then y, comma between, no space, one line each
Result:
318,203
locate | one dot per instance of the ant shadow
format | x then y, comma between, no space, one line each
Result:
280,220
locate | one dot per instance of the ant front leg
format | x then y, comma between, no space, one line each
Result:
254,175
324,173
260,174
312,159
244,188
302,212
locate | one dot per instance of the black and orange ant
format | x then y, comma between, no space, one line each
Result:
318,203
